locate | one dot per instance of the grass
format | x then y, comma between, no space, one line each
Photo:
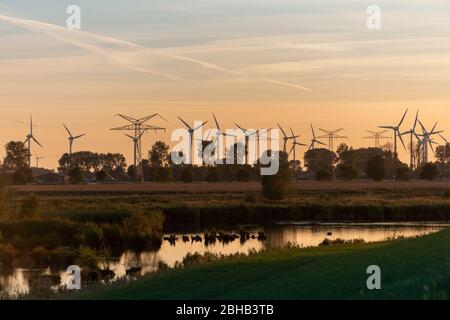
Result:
411,269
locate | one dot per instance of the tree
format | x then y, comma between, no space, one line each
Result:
275,187
323,175
320,159
187,175
163,174
76,175
132,172
243,175
19,178
17,155
443,153
429,171
159,154
376,168
101,176
402,173
346,172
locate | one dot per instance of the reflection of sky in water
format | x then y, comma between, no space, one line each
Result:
305,236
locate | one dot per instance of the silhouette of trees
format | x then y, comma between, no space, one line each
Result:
376,168
17,155
429,171
320,159
159,154
275,187
89,161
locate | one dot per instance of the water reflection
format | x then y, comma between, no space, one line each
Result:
19,281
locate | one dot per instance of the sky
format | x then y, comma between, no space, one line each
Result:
252,62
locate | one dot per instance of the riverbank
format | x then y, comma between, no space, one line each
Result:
411,269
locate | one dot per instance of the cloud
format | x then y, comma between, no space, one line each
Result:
93,43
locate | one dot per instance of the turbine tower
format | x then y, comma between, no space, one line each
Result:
397,133
248,134
332,135
294,146
412,134
219,134
314,140
427,140
139,127
377,136
30,137
191,138
37,160
286,138
72,139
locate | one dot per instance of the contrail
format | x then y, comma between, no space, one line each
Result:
56,31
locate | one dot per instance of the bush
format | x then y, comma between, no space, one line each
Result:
187,175
101,176
243,175
346,172
163,174
275,187
19,178
213,175
76,175
376,168
30,206
402,174
429,171
88,258
323,175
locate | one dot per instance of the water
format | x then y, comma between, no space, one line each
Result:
18,281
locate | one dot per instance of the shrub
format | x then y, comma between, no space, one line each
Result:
402,173
346,172
88,257
76,175
323,175
275,187
101,176
187,175
376,168
429,171
163,174
30,206
243,175
213,175
19,178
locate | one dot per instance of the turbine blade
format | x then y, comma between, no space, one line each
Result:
401,139
443,138
200,126
129,136
313,132
35,140
185,123
403,118
80,136
67,129
284,133
415,121
432,130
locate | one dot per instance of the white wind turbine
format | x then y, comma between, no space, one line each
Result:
72,139
397,133
248,134
412,134
191,138
427,140
286,138
314,140
219,134
30,137
37,160
294,146
136,141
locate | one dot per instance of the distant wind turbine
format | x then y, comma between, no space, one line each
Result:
294,146
314,140
397,134
30,137
191,137
72,139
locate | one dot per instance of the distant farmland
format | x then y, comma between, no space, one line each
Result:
158,188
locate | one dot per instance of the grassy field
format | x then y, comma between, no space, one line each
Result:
231,187
411,269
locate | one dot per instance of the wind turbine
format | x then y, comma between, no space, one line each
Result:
286,138
332,135
191,137
72,139
427,140
412,134
30,137
37,160
248,134
219,135
397,133
314,140
294,145
136,141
